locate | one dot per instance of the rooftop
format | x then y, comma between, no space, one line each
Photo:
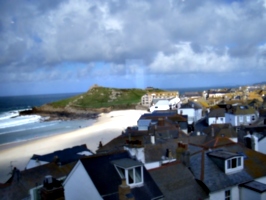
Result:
255,185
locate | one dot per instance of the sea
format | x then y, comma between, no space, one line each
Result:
15,128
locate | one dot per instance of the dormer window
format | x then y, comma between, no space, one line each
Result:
234,164
227,161
131,170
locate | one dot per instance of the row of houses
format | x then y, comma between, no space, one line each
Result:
156,159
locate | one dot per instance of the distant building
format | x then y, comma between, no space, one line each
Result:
193,110
216,116
146,100
241,115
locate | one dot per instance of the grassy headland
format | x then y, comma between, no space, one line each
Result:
103,97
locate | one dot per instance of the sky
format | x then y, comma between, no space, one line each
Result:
65,46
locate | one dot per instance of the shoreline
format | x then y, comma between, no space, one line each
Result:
106,127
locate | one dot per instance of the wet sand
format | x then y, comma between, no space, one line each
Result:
106,127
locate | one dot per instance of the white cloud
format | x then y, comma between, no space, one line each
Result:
185,60
168,37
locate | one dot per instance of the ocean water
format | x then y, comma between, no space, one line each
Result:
15,128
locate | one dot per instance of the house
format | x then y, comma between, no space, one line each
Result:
218,93
110,176
160,105
241,115
230,171
177,182
193,110
61,157
254,137
159,116
29,183
216,116
146,100
221,130
193,95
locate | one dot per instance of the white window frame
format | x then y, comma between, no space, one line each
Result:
239,164
248,118
241,118
227,194
126,176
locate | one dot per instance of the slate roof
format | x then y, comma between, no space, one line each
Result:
158,113
191,104
242,110
155,152
219,112
255,186
176,182
31,178
192,94
106,179
65,156
221,130
205,170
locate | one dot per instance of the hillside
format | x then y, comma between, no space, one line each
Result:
103,97
87,105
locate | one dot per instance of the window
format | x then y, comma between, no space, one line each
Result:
241,118
133,176
233,163
253,117
227,194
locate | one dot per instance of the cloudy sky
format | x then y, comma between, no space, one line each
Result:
61,46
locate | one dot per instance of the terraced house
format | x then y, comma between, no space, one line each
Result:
146,100
241,115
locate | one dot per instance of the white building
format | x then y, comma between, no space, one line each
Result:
193,110
241,115
216,116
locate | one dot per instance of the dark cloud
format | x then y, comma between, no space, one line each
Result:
188,36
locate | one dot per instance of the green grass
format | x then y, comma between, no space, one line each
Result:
100,97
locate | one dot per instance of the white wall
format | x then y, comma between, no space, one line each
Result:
79,185
262,145
262,179
230,119
152,165
198,115
213,120
246,194
220,195
190,112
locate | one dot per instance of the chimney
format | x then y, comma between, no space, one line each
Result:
124,191
180,149
161,121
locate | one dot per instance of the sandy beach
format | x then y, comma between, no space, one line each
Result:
106,127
